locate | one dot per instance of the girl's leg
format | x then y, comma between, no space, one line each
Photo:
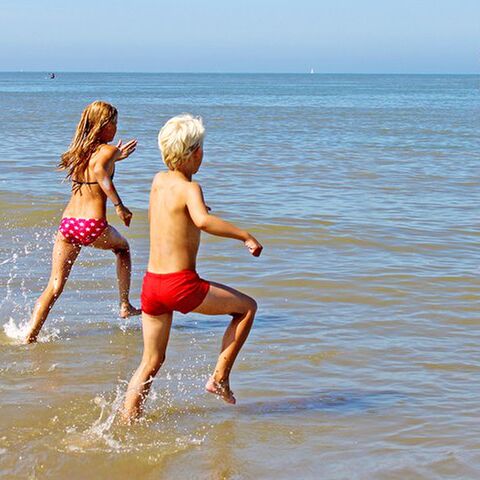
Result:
111,239
63,257
225,300
156,331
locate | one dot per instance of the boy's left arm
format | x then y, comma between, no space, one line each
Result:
215,225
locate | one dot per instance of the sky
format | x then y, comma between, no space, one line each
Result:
330,36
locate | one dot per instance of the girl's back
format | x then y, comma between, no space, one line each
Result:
88,199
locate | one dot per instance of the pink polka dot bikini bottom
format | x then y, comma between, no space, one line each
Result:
82,231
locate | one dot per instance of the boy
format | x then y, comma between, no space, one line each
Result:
177,215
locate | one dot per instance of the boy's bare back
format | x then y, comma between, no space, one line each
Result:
174,237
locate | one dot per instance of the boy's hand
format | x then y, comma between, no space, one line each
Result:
125,150
254,247
124,213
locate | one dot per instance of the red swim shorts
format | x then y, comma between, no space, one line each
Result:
182,291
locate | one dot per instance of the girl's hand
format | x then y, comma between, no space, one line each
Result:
126,150
124,213
254,247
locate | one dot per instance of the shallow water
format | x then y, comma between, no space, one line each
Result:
363,360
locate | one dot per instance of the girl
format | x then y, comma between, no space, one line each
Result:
90,165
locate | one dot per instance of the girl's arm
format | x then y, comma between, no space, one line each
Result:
126,150
102,171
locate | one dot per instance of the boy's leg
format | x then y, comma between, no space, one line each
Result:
63,257
222,300
111,239
156,331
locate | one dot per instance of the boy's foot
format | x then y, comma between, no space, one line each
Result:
128,310
221,389
126,419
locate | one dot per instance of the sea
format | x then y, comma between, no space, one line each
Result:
363,361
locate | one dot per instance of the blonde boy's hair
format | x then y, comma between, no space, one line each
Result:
179,138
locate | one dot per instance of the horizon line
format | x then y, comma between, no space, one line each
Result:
234,73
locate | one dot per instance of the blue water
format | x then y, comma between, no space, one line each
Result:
362,364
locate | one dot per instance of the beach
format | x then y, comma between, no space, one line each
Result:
363,357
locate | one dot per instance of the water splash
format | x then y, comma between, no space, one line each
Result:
16,302
172,419
128,325
102,425
18,332
99,434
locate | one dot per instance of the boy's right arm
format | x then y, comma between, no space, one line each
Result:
215,225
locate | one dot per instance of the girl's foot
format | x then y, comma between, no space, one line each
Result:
221,389
30,338
128,310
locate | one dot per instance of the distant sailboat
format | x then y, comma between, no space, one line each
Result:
311,70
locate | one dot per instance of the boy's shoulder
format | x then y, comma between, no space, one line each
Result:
158,177
162,180
194,187
162,177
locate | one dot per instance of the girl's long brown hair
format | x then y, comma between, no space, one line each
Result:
86,139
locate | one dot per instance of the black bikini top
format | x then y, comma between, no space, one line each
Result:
90,183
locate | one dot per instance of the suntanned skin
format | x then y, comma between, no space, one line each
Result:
90,202
178,214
